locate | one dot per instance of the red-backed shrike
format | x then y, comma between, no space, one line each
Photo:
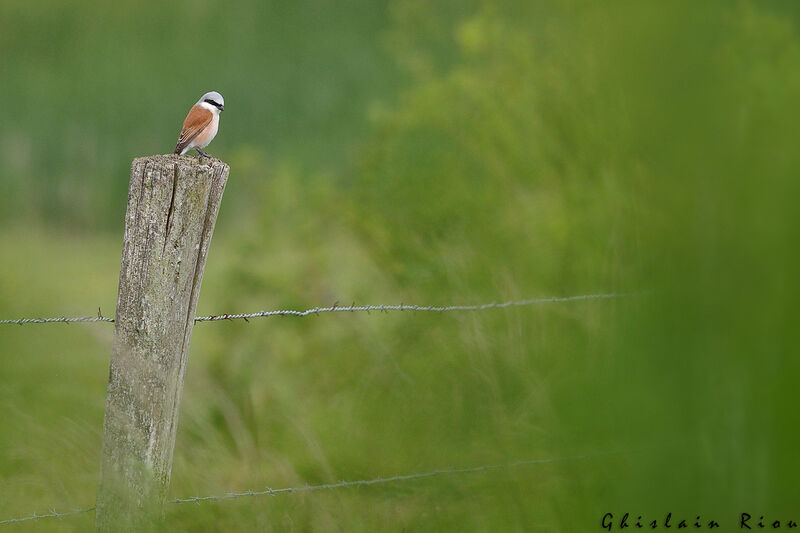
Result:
201,124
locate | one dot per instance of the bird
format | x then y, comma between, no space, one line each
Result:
201,124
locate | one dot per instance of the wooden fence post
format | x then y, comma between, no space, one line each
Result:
172,208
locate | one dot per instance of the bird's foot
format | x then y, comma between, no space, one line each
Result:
202,153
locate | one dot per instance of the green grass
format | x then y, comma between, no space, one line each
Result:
286,402
431,153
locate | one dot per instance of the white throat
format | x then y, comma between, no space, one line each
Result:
206,105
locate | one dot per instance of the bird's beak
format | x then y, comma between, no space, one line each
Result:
222,108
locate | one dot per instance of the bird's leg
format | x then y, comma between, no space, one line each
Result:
199,151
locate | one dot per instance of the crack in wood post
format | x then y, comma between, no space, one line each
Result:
171,204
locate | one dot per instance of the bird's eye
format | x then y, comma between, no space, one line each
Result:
212,102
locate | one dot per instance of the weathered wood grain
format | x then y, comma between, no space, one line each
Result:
172,209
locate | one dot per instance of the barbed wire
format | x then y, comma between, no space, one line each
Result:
52,514
57,319
336,308
340,484
383,480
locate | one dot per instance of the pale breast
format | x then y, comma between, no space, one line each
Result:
208,134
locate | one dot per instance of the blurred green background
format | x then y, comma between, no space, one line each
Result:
424,152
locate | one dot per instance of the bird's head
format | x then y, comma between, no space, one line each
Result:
213,101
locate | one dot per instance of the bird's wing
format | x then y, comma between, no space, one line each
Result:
197,119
